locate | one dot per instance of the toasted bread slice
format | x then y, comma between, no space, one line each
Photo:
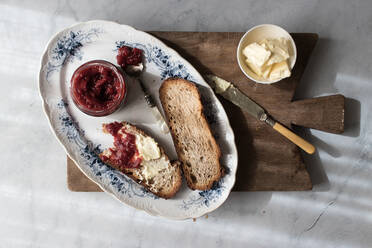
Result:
158,175
192,137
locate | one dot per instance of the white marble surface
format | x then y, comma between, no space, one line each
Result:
37,210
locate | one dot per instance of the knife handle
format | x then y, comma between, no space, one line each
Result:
303,144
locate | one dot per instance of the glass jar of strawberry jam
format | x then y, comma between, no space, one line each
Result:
98,88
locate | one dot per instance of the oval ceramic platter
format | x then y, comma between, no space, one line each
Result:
82,137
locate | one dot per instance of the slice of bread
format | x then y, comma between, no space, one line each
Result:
192,137
159,176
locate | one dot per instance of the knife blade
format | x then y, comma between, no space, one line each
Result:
154,109
234,95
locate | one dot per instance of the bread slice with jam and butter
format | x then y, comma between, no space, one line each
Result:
195,145
140,157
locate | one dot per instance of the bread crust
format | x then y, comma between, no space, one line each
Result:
177,177
179,145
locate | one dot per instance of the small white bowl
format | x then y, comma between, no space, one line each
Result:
257,34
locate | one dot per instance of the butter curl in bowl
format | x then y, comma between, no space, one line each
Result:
266,54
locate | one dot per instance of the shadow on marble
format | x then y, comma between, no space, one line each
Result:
314,165
352,117
315,82
313,162
321,145
311,83
318,176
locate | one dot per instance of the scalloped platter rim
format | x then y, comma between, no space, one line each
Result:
81,137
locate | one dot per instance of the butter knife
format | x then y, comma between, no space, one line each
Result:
154,109
135,71
234,95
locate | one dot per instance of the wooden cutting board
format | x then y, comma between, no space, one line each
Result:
267,161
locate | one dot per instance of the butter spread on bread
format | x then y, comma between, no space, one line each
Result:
139,156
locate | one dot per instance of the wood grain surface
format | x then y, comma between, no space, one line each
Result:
267,161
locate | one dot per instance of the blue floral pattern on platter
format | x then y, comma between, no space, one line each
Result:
205,197
70,128
83,145
89,153
68,47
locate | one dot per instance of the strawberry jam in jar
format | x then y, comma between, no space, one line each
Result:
98,88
